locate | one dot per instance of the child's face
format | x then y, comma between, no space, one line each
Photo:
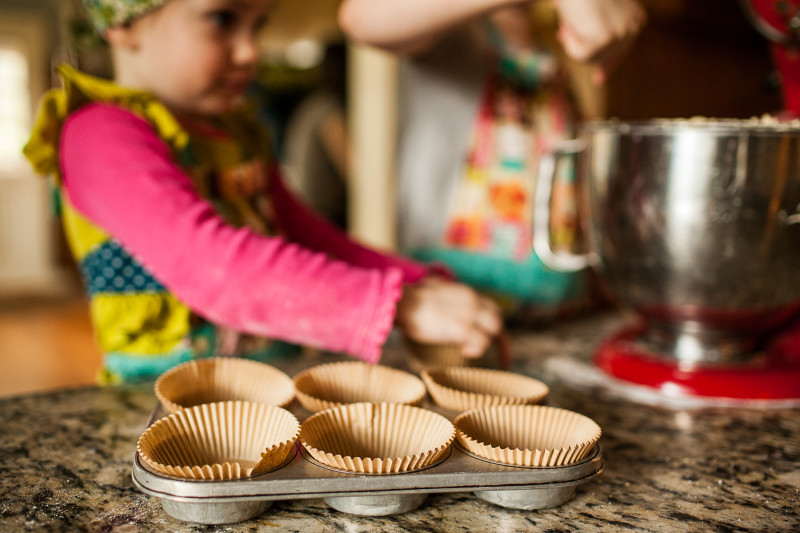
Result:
196,56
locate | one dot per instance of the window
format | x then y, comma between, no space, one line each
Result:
15,107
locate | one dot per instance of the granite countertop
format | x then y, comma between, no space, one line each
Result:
66,459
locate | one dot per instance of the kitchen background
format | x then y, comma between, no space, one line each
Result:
693,58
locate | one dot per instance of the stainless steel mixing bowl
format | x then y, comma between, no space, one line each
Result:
692,224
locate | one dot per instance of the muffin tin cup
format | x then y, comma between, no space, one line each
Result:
219,379
377,505
377,438
215,513
331,385
223,440
529,499
462,389
527,435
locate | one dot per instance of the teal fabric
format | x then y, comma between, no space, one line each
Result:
133,368
109,268
519,69
528,281
276,350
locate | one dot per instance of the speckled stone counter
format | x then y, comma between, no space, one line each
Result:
66,457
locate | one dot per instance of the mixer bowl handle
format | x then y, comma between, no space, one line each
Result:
561,261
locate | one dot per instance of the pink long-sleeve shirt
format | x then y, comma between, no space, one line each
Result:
311,286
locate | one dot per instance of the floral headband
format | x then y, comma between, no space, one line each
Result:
106,13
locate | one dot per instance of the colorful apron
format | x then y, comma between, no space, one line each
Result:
524,112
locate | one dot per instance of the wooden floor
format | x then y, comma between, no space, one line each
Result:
46,344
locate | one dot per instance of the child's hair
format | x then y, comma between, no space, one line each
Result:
106,13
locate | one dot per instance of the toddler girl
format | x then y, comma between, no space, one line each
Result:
176,213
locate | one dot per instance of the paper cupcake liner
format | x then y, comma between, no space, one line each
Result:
462,389
424,356
527,435
377,438
333,384
223,440
222,379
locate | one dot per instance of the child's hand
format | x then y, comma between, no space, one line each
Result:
599,31
438,311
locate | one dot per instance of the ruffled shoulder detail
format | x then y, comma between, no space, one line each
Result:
41,147
80,89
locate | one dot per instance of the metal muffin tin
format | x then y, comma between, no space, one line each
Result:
221,502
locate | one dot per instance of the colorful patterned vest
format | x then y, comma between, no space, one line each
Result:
141,327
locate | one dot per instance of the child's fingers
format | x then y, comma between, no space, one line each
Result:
574,45
475,344
488,317
610,61
487,323
601,36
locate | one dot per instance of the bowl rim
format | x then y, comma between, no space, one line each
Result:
669,126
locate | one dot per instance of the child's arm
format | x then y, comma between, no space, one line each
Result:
410,26
433,309
306,228
599,31
117,173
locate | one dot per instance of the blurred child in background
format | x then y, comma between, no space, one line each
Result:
483,93
188,242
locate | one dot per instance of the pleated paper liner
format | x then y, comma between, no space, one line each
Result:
324,386
527,435
462,389
221,379
425,355
377,438
223,440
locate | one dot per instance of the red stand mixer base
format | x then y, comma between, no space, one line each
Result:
774,375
